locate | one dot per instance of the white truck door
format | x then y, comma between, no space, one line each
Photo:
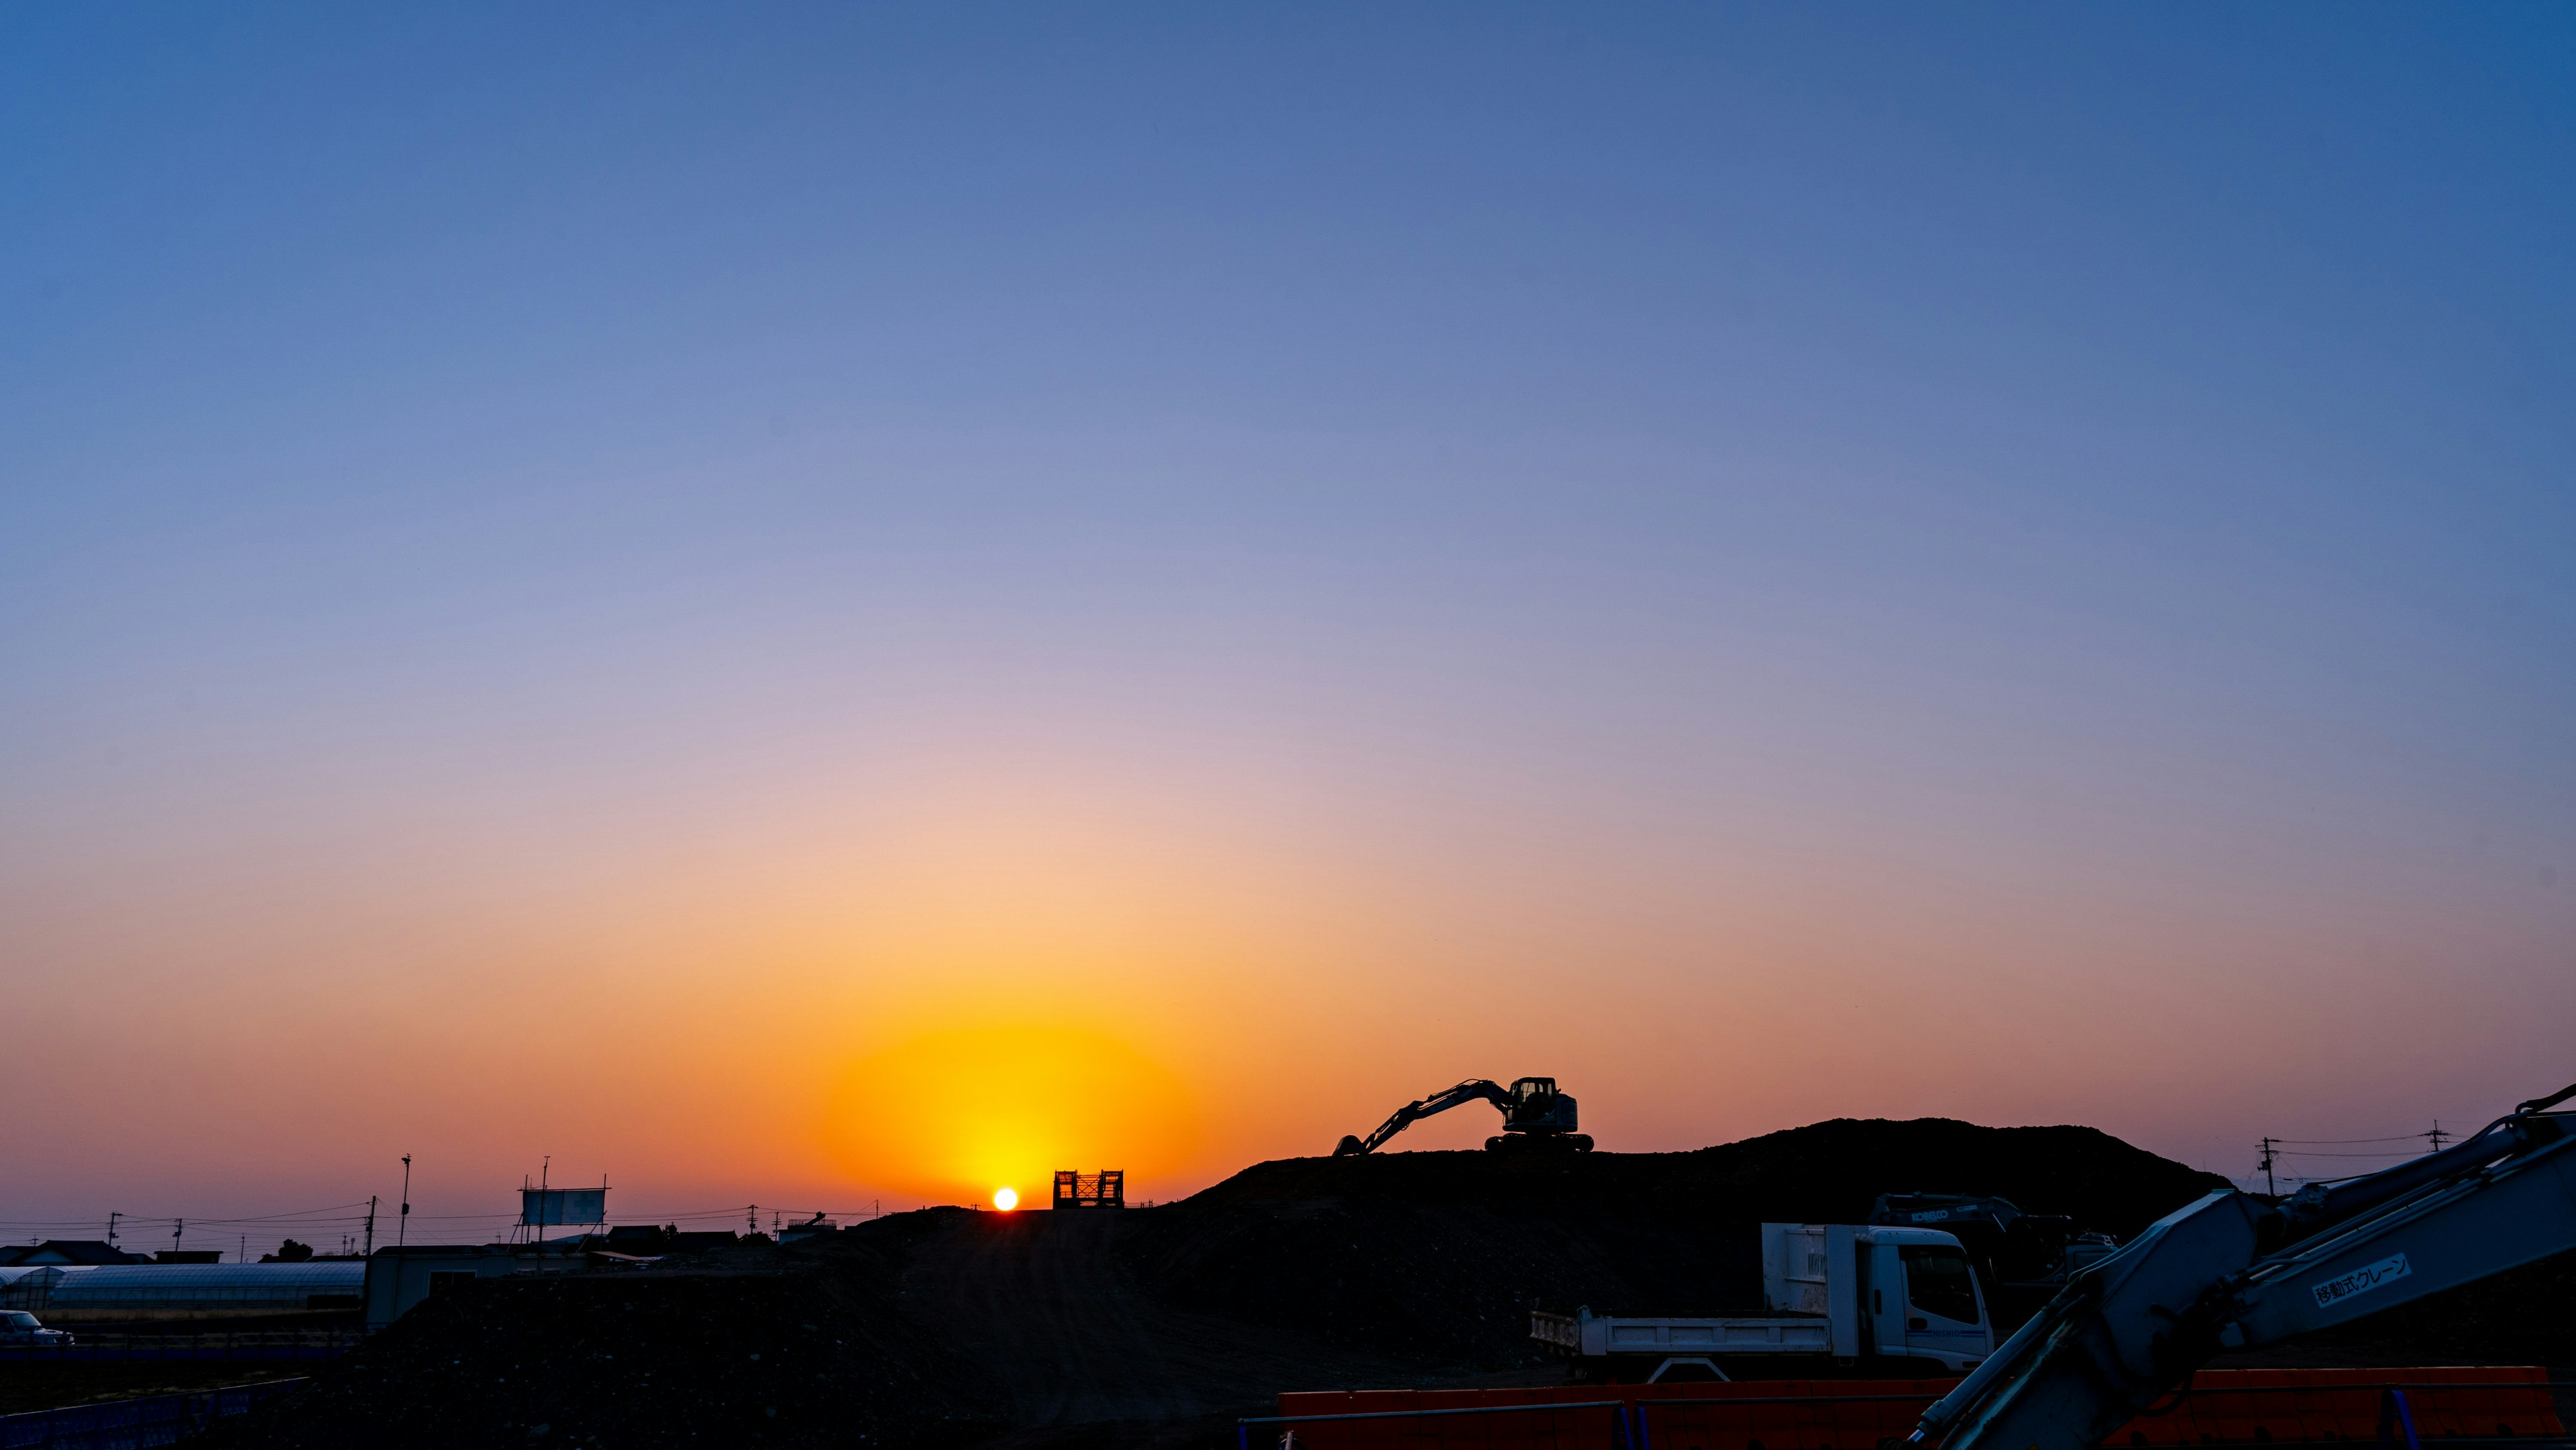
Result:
1845,1265
1943,1317
1883,1300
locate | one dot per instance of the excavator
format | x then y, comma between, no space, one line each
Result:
2238,1270
1536,1118
2023,1258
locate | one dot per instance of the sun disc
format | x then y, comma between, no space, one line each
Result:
1006,1199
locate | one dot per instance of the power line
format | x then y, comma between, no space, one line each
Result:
2347,1142
2277,1148
344,1210
354,1216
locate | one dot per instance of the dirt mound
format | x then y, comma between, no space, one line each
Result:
1826,1172
1155,1325
1438,1258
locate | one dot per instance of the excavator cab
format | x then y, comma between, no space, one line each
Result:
2031,1252
1535,1106
1537,1117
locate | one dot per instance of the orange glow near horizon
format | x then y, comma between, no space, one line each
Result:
944,1113
979,979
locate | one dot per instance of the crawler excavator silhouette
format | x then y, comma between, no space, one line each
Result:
1536,1118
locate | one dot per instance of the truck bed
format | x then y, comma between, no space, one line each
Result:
1588,1334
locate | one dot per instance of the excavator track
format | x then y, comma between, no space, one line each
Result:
1539,1144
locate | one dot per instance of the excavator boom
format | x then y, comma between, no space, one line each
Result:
1415,1111
2232,1270
1534,1113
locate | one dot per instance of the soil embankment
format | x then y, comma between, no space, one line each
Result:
1156,1326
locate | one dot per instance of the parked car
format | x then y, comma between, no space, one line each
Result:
17,1326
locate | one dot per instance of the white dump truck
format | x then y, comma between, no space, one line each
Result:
1839,1291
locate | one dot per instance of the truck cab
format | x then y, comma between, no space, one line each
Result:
1922,1300
1888,1293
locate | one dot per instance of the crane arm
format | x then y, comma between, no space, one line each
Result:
1413,1112
2232,1270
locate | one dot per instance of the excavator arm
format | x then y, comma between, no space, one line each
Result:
2233,1270
1413,1112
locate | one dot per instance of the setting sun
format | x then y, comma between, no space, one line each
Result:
942,1114
1006,1199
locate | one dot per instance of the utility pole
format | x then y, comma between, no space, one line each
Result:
2437,1135
402,1222
178,1226
751,1223
111,1228
244,1256
370,1251
2269,1186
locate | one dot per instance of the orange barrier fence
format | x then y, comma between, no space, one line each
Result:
1787,1415
2237,1407
1566,1417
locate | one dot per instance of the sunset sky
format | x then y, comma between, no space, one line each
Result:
813,605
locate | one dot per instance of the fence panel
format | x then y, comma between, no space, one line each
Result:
2219,1407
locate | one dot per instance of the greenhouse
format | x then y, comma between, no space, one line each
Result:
166,1288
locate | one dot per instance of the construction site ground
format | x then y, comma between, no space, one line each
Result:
1156,1327
43,1386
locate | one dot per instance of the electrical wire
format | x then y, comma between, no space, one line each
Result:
351,1218
345,1210
2348,1142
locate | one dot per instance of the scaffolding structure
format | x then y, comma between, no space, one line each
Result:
1104,1189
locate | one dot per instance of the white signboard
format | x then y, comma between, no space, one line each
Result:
549,1207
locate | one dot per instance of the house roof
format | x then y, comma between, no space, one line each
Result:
68,1251
172,1278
